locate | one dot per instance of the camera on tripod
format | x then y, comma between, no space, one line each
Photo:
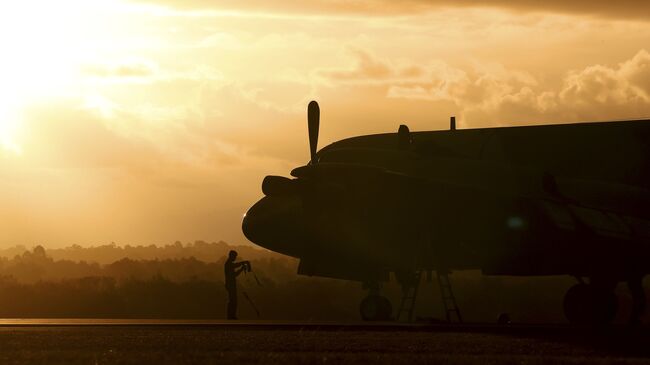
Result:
247,266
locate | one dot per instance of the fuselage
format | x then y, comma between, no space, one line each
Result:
534,200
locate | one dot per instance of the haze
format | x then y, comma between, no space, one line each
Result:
145,122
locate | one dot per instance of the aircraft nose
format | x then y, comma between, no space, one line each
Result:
275,223
250,225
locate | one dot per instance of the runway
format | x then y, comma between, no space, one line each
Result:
263,325
92,341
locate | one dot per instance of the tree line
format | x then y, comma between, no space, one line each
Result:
169,282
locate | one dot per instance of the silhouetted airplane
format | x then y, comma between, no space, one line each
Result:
568,199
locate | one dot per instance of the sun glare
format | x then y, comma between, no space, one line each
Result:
8,128
44,43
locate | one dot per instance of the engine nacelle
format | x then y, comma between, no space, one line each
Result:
278,185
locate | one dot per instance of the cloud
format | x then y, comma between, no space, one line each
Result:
250,116
434,81
127,69
162,145
596,92
319,7
602,8
144,71
625,84
64,135
495,95
369,68
88,176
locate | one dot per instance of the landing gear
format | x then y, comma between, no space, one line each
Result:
375,308
635,285
590,304
410,283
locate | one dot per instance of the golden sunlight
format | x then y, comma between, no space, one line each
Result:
136,110
44,45
8,128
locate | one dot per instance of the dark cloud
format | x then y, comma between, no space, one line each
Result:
603,8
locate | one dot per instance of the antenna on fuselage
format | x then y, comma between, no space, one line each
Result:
452,124
403,137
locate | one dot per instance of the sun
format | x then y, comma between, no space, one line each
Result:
9,125
44,44
10,120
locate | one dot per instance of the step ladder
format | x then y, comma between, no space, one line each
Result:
409,296
447,296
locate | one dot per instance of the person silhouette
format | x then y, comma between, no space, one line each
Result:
231,271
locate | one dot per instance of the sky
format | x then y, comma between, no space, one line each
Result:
151,121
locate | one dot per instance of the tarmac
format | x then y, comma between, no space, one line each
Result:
142,341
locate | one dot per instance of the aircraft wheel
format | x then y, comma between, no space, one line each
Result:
586,304
375,308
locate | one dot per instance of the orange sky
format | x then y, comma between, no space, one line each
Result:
149,121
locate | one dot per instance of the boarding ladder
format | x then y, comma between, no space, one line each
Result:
409,295
447,296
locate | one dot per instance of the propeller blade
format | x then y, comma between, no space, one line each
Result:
313,123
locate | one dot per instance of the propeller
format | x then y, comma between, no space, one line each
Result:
278,185
313,123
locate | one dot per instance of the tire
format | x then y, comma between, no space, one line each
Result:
587,305
375,308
